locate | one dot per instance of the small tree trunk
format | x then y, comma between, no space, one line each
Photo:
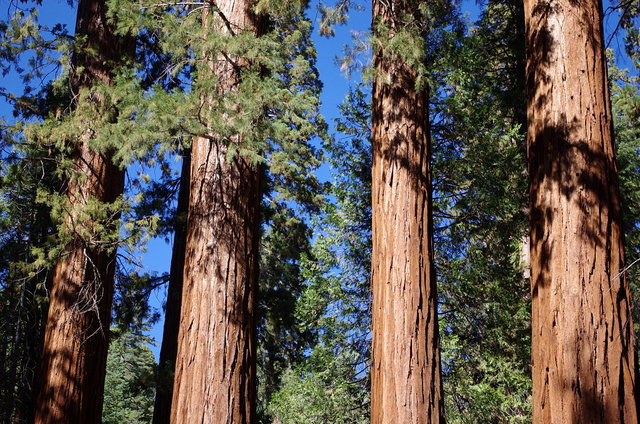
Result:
72,367
405,375
584,364
215,366
169,349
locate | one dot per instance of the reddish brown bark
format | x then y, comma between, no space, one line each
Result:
584,365
405,375
72,366
215,366
169,348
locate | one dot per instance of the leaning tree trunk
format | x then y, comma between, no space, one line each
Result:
169,348
70,383
215,367
584,364
405,375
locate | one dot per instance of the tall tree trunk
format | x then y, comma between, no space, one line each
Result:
584,364
72,366
405,375
169,349
215,366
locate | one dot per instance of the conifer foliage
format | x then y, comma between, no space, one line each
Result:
215,363
292,301
72,366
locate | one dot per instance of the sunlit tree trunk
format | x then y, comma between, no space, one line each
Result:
215,367
72,367
584,364
169,348
405,375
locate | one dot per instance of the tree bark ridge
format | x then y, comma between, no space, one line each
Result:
215,367
70,382
584,363
169,348
405,375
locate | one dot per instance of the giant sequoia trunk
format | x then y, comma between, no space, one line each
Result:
215,366
584,365
405,374
72,366
169,348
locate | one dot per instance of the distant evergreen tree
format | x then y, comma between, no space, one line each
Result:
332,383
481,218
625,105
130,379
25,227
283,338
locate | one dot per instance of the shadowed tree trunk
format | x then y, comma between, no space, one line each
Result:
72,368
405,375
215,365
584,364
169,349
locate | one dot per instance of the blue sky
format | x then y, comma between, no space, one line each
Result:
335,87
158,255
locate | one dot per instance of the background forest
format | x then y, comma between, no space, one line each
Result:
310,137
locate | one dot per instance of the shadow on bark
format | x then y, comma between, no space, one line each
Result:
583,331
414,117
71,377
227,203
220,280
173,310
585,176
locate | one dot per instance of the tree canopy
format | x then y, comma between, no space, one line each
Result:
169,77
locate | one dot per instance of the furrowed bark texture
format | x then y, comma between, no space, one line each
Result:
169,348
215,366
584,365
405,376
72,367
